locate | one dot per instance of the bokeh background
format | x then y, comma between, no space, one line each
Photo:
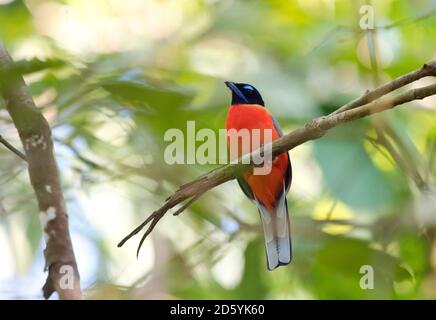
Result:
125,71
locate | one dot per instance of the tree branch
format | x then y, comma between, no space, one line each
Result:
35,135
364,106
426,70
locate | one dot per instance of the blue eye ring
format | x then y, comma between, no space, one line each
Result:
248,88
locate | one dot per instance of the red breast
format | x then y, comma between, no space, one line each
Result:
251,116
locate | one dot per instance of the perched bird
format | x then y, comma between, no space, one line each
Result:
247,111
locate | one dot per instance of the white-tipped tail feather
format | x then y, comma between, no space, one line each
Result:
277,233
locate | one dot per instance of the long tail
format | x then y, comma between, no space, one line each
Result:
277,232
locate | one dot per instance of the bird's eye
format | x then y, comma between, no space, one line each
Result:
248,89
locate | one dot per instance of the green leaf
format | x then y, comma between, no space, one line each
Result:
349,172
23,67
15,21
337,273
141,94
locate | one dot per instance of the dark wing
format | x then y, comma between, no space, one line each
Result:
246,188
288,177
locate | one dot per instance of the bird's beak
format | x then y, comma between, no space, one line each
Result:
232,86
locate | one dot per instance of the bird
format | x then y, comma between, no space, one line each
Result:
247,111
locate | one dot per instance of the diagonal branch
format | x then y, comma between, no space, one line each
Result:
426,70
9,146
364,106
35,135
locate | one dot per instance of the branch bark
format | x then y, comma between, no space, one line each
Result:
359,108
35,134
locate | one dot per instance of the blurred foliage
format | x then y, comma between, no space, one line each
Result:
112,76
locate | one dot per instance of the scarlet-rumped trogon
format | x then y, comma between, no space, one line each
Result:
268,191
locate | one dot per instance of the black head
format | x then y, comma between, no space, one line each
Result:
243,93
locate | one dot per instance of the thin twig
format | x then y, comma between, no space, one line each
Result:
4,142
187,204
